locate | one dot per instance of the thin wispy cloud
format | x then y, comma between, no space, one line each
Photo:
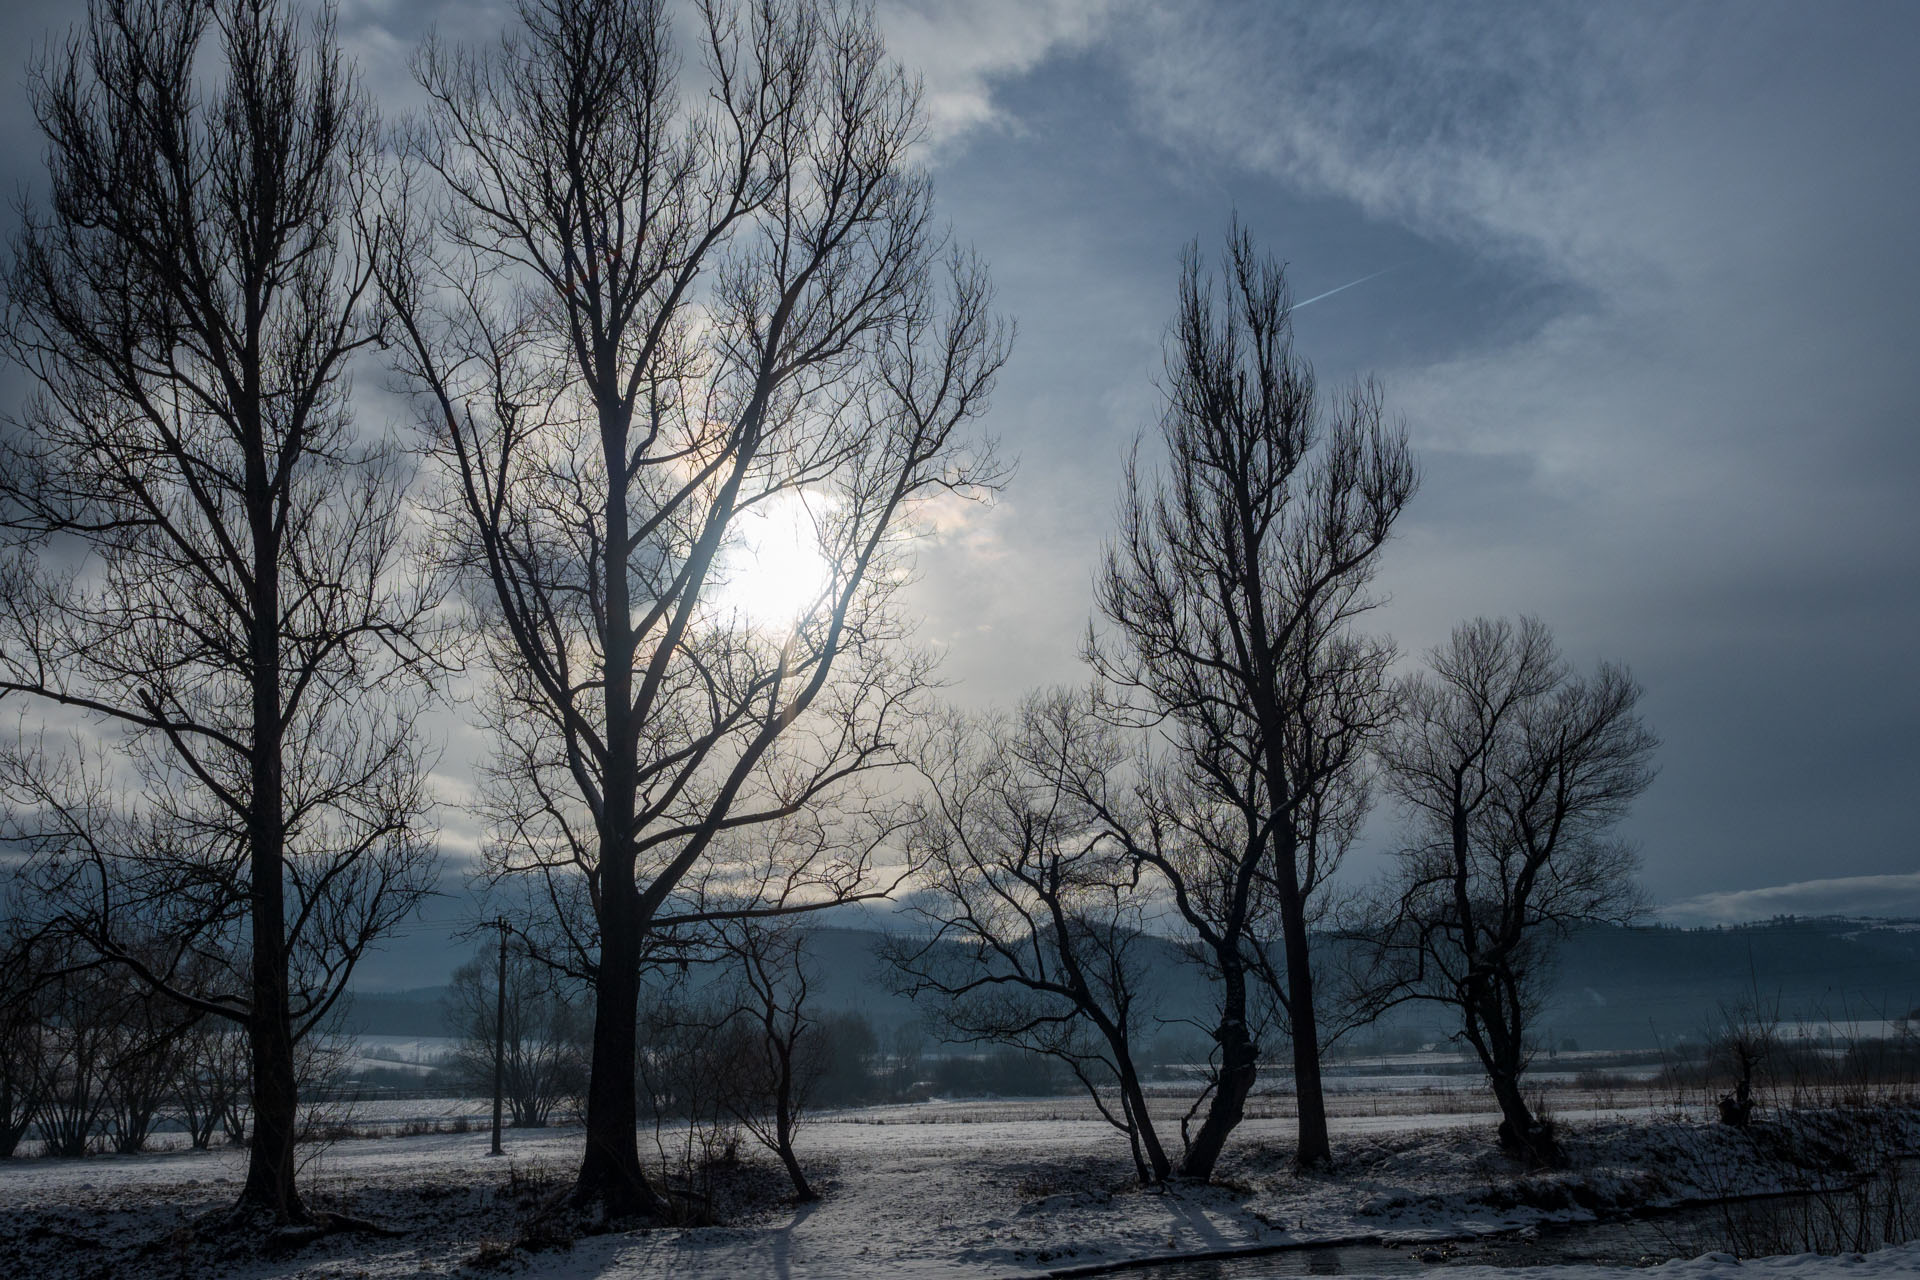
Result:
1891,895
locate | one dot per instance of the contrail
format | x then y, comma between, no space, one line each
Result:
1342,289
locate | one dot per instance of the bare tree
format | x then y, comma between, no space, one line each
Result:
209,1091
1747,1039
739,912
204,551
1230,598
695,1043
20,1027
544,1050
1513,770
782,1062
1035,913
143,1064
638,319
77,1030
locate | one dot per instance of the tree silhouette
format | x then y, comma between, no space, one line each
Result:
636,317
204,549
1514,770
1229,599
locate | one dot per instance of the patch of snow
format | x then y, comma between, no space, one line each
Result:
1012,1188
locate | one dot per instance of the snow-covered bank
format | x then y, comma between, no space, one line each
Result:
967,1194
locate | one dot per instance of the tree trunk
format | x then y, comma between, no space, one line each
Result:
1499,1045
276,1091
610,1173
1239,1066
1521,1133
1314,1150
783,1136
1156,1168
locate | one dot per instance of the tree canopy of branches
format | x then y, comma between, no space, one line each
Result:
637,316
1035,914
1229,599
203,551
1514,770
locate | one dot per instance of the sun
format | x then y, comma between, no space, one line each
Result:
773,572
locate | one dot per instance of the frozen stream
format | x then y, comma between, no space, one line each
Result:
1878,1213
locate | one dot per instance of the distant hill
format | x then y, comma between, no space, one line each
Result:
418,1012
1614,988
1635,986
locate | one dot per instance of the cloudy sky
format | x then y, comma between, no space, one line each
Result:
1641,279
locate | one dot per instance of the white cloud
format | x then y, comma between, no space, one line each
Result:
961,49
1521,132
1896,896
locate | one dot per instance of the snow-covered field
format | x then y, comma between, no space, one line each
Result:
939,1189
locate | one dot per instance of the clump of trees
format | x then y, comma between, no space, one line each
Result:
1217,771
639,309
1214,774
1230,601
93,1059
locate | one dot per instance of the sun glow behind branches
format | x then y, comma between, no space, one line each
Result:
774,573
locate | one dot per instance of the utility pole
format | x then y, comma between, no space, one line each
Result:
499,1034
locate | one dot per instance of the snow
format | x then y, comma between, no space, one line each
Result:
948,1189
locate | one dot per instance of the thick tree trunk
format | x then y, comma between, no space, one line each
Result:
1500,1046
276,1091
1239,1066
1521,1133
610,1173
276,1105
1314,1149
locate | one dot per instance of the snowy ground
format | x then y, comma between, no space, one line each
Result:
948,1190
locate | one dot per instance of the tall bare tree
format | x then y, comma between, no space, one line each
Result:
1035,915
638,316
1514,771
1230,599
204,551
